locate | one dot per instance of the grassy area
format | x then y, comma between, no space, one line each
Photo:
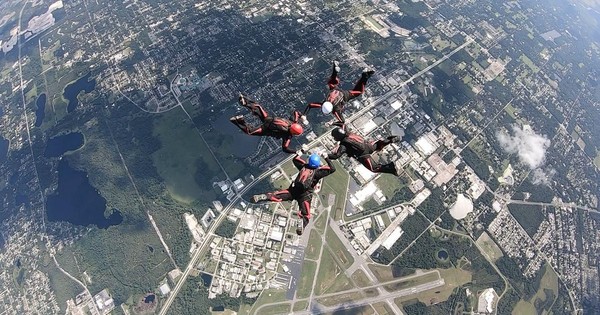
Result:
389,185
184,160
360,278
337,184
314,245
546,293
490,249
339,249
524,307
361,310
289,168
309,269
331,277
321,223
510,110
382,308
300,306
382,273
340,299
266,297
276,309
524,59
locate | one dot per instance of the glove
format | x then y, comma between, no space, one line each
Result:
304,148
304,120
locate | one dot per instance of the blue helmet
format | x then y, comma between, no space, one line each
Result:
314,161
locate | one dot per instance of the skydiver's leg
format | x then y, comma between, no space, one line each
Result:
359,87
368,162
240,123
254,107
380,144
334,80
276,196
304,212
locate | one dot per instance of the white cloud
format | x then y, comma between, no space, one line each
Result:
529,146
542,177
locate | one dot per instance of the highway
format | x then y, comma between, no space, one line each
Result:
197,253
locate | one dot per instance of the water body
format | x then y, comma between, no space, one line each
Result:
72,90
442,255
77,202
149,298
206,279
3,149
243,145
40,112
59,145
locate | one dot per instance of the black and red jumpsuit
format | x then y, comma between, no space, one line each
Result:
338,97
297,192
276,127
359,148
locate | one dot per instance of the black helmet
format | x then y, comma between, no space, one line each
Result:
338,134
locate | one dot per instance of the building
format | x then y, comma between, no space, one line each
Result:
488,299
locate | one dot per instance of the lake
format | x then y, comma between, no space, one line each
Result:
243,145
40,112
59,145
77,202
72,90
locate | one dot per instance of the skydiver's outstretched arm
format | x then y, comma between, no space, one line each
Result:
325,170
338,152
311,106
334,80
296,116
299,162
285,144
337,113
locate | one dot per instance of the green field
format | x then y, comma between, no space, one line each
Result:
337,184
389,185
331,276
184,160
524,59
340,251
309,269
360,278
544,297
489,247
267,296
300,306
314,245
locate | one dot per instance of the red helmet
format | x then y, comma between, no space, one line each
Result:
296,129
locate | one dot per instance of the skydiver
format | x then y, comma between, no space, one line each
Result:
361,149
276,127
302,187
337,98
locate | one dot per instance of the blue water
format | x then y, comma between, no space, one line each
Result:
149,298
442,255
3,149
72,90
77,202
40,112
206,279
58,145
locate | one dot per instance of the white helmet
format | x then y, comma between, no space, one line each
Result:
327,108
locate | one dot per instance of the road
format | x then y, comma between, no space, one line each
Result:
217,222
